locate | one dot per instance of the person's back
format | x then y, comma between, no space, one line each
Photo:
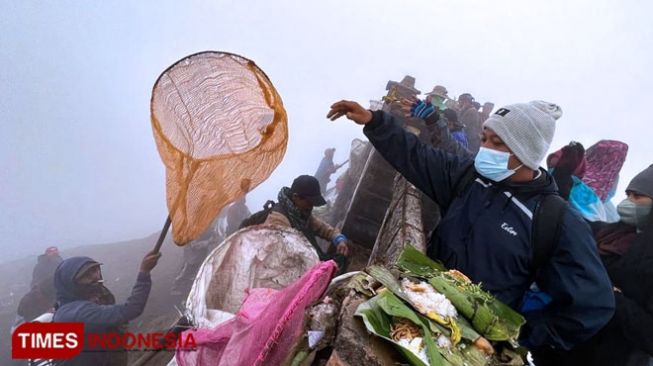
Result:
81,297
40,299
45,266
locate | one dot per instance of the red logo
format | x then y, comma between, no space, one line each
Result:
47,340
66,340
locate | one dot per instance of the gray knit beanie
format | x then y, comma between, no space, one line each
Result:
642,183
527,129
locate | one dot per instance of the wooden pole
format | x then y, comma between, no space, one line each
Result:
162,236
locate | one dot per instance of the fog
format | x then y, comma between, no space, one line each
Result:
78,159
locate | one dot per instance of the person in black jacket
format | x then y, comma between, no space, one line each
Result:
486,229
626,248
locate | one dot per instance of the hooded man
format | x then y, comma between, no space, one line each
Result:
295,208
486,226
82,297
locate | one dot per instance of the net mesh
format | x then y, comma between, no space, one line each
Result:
221,129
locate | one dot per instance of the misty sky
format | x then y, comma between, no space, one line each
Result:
78,164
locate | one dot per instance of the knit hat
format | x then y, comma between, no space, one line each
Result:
642,183
527,129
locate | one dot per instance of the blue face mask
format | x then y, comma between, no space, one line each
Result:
493,164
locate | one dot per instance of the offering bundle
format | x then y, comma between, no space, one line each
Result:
435,316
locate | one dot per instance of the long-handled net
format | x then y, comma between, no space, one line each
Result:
221,129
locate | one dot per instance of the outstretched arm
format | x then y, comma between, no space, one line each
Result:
431,170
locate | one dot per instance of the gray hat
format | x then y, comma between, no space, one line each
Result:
440,91
527,129
642,183
407,83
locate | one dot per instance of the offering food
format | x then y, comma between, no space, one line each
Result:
437,316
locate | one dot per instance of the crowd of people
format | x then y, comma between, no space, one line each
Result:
545,241
506,224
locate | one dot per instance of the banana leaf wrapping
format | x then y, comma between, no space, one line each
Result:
488,316
378,313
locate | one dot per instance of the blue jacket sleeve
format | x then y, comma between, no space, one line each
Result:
92,313
581,291
431,170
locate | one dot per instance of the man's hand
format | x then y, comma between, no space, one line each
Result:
352,110
149,261
342,248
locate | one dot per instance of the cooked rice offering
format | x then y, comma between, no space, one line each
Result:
425,299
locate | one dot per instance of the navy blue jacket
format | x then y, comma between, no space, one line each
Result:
485,232
96,318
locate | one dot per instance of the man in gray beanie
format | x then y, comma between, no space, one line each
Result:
489,205
527,129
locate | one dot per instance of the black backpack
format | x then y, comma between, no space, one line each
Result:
258,217
547,219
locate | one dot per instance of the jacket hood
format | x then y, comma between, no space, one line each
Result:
64,278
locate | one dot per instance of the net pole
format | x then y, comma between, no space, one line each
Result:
162,236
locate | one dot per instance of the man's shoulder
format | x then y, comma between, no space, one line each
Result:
277,217
69,312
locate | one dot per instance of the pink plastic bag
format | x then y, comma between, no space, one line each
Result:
265,328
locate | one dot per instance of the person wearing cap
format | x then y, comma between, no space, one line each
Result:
82,297
45,266
486,227
626,248
294,209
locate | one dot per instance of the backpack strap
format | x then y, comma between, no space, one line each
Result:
546,228
258,217
267,206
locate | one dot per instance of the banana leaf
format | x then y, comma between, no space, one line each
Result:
489,317
387,279
377,315
413,261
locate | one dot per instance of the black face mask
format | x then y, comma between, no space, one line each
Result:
96,292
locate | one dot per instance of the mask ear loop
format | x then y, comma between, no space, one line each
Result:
514,171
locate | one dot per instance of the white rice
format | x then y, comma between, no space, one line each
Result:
428,299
